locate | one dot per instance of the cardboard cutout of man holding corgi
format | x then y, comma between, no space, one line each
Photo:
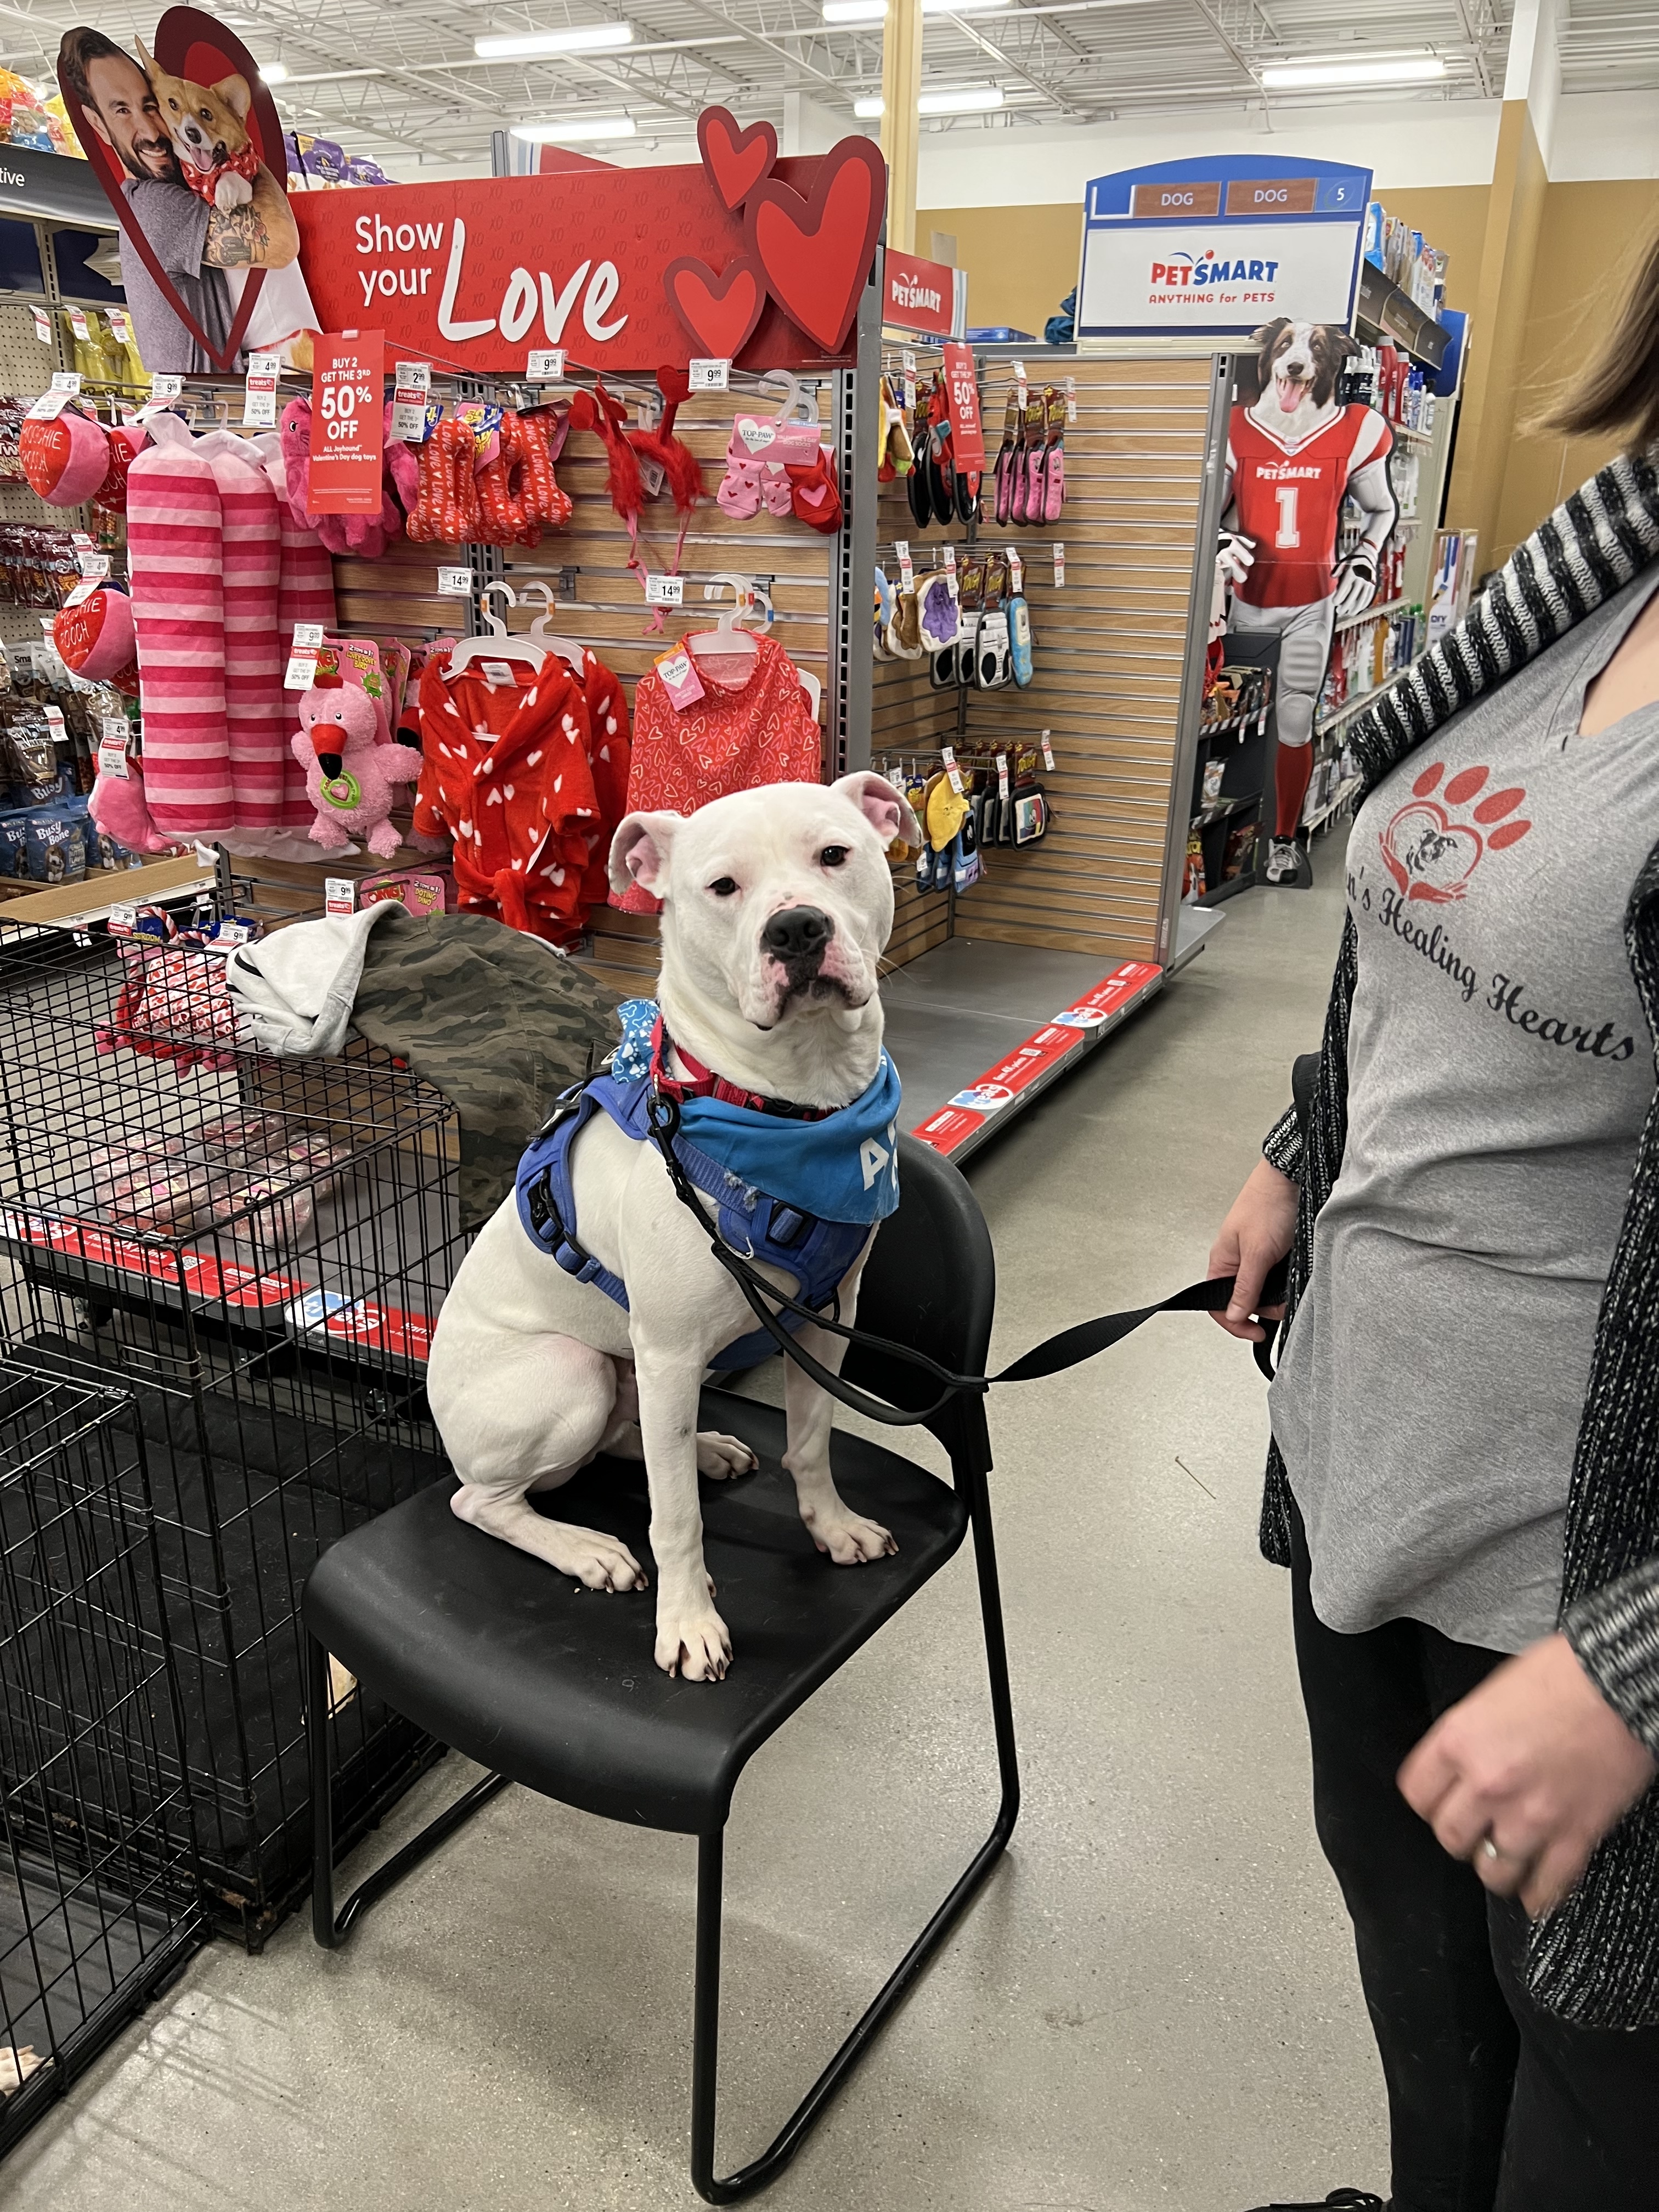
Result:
209,207
1294,453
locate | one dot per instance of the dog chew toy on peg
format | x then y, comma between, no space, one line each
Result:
446,510
95,639
350,766
66,457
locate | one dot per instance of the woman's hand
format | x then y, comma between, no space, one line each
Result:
1526,1774
1258,1232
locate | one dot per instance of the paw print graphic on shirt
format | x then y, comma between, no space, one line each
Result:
1431,846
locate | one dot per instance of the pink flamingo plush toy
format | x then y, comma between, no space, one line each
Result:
351,762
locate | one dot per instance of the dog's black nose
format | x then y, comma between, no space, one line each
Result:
798,933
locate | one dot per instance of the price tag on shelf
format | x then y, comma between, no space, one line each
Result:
953,774
93,565
1059,564
55,723
120,322
339,895
1020,383
259,392
1002,775
113,748
1070,400
42,325
166,386
664,591
67,380
950,568
909,361
411,382
81,593
302,672
49,403
454,583
1015,570
907,568
1048,754
709,375
78,325
547,366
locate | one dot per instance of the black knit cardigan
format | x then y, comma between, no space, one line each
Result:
1594,1960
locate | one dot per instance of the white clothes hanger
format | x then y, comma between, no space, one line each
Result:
568,648
725,638
492,642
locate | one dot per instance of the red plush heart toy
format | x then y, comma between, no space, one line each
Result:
66,458
95,639
125,444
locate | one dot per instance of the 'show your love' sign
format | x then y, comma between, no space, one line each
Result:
742,256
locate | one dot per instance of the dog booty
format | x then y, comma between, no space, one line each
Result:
814,494
777,493
739,492
1009,464
64,459
1019,639
1053,472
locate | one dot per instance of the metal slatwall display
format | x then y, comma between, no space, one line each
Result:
27,368
1118,654
907,715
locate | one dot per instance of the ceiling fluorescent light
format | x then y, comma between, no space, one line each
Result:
273,73
873,12
576,39
579,127
331,76
869,108
1308,76
974,102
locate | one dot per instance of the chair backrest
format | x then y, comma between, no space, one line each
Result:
930,1284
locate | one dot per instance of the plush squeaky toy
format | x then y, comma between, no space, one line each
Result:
351,763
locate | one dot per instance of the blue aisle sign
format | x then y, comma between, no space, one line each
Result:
1214,248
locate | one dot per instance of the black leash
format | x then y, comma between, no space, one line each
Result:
1069,1348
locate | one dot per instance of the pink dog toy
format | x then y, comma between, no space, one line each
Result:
350,767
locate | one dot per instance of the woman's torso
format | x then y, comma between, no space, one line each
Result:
1500,1071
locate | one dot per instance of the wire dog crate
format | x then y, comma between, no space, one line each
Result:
98,1889
258,1248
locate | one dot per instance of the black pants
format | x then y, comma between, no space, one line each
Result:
1493,2104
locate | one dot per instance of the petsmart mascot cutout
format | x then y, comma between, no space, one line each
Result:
1293,454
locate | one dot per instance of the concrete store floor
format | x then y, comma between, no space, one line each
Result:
1153,2005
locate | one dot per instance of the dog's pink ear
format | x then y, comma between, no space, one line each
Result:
234,91
886,811
640,852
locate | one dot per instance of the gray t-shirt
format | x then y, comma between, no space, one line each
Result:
1499,1071
175,221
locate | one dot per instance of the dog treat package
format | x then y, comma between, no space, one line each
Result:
56,850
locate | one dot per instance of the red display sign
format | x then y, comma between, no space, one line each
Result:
922,296
472,275
347,419
962,389
967,1114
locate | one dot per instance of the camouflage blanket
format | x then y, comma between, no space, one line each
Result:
493,1019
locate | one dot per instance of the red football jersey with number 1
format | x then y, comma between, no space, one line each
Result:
1288,503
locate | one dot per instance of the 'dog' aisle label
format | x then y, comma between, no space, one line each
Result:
348,415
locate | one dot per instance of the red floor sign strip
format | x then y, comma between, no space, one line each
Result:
967,1114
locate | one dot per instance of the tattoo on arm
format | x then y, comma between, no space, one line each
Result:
238,240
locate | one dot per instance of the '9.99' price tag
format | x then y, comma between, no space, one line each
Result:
709,375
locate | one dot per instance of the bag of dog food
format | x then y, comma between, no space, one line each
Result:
56,850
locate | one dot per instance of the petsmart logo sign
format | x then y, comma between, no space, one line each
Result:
924,296
1213,247
1214,267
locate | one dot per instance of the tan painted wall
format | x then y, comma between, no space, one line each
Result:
1454,218
1592,237
1021,261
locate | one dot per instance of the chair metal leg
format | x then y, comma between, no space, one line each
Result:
329,1928
706,2001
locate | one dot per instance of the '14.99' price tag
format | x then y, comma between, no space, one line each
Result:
665,591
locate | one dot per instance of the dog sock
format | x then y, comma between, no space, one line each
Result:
1290,780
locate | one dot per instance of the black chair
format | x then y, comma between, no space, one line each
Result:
494,1653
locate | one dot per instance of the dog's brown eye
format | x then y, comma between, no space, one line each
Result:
832,856
723,887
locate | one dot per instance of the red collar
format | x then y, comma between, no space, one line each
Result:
704,1083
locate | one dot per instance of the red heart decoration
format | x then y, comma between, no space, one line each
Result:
193,45
815,253
736,160
720,312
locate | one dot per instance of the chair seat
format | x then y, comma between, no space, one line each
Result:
522,1669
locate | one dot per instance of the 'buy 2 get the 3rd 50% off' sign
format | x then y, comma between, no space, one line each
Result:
347,419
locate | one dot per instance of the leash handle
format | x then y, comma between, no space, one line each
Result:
1068,1348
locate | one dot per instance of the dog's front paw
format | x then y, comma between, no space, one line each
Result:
721,1457
231,191
602,1562
850,1540
693,1640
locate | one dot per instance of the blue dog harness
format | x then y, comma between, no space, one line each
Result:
799,1195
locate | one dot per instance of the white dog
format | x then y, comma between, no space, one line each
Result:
776,906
